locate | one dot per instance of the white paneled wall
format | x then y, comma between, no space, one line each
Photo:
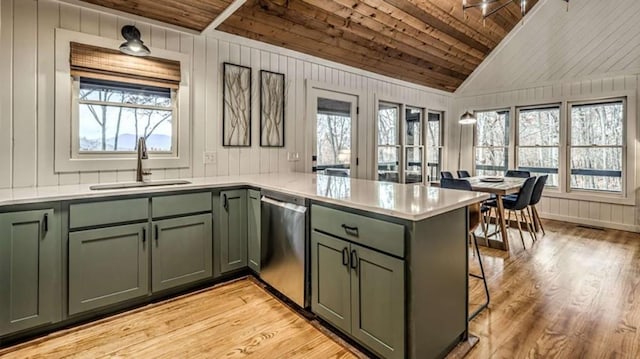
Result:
27,102
591,212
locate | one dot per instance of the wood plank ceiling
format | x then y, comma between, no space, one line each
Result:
428,42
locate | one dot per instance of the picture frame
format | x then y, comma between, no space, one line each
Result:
236,105
272,108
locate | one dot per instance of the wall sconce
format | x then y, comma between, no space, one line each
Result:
134,45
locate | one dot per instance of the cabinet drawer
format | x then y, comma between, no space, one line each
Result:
108,212
381,235
175,205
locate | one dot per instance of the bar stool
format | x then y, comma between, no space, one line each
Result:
475,217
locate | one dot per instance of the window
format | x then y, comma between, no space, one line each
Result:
388,142
539,142
492,142
597,144
434,143
413,145
113,115
104,99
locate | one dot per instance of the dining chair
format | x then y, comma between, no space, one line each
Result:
446,174
535,199
517,173
475,219
519,203
464,174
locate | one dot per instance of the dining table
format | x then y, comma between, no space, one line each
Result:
500,187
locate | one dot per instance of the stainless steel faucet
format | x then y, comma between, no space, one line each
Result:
142,155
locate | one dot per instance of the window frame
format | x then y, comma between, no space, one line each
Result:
517,145
75,127
439,147
507,147
420,146
624,147
66,109
398,146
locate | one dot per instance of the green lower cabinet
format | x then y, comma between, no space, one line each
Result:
181,251
377,301
107,266
233,230
253,229
331,280
30,270
361,292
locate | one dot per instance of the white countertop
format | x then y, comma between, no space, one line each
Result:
411,202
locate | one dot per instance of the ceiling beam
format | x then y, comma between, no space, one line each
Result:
224,15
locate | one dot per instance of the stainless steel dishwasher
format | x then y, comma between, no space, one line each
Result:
284,248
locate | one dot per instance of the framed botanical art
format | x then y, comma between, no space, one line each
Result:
236,109
271,109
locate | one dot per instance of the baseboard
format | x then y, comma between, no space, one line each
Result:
591,222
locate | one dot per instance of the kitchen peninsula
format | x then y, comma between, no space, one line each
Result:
387,262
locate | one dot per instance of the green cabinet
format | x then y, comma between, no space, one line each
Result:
233,230
181,251
253,228
30,270
360,291
107,266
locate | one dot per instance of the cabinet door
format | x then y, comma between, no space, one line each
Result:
30,270
233,230
253,227
377,294
330,279
107,266
182,251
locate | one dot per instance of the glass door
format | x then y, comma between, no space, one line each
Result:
334,138
413,145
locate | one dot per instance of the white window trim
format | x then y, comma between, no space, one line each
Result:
517,146
628,197
65,107
508,148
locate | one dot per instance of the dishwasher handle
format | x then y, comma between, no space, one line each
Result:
285,205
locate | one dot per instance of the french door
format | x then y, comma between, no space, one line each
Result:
334,128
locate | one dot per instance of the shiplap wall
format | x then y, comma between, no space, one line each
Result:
591,38
593,50
27,101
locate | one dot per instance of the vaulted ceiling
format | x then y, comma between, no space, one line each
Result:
428,42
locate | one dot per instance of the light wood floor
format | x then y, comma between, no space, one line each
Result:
236,320
575,293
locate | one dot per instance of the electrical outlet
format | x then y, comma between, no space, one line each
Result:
210,158
293,156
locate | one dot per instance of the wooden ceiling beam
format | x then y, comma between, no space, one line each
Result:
436,23
302,13
230,10
316,43
324,22
407,31
454,9
394,36
339,41
293,42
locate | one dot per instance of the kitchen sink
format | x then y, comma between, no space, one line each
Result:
124,185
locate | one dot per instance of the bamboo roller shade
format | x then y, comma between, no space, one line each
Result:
108,64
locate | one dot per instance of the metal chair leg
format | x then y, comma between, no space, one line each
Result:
484,280
533,225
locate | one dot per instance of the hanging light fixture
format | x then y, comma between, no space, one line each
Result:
467,119
489,9
134,45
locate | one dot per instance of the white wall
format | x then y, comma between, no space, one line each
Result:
592,51
27,101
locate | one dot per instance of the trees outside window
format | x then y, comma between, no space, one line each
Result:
388,142
597,143
434,145
492,143
539,141
112,116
